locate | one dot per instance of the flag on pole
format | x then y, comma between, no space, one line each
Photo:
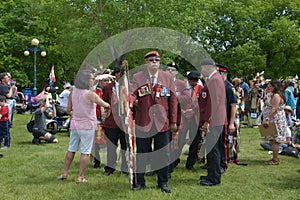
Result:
127,116
52,76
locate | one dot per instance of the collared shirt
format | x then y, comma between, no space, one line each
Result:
117,88
155,78
189,87
211,75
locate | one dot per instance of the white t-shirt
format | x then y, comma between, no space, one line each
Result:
63,98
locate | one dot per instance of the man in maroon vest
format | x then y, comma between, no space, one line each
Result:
113,126
183,96
156,115
214,120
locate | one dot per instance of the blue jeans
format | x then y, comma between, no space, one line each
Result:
11,106
268,146
4,133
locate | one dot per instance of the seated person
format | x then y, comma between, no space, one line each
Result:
282,144
290,118
296,142
294,149
63,98
40,126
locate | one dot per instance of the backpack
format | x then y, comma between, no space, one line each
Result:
30,125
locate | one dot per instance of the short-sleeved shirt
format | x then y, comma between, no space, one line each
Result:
4,112
290,98
230,98
4,90
39,120
63,98
245,87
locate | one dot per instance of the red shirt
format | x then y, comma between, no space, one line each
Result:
98,108
4,113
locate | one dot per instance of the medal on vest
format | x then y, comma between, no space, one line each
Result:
167,91
158,90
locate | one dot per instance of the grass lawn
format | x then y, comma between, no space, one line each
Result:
30,172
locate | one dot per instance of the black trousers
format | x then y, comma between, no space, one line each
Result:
112,135
194,136
194,140
159,156
224,149
213,148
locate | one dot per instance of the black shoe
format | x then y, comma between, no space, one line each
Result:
203,178
97,165
204,166
36,141
125,173
208,183
108,172
151,173
192,168
164,188
139,187
176,162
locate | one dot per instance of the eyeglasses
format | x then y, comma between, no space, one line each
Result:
171,69
153,59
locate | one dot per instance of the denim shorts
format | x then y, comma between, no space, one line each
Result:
86,137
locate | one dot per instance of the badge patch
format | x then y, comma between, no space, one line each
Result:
204,95
144,90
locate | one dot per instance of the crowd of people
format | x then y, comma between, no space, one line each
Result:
168,113
204,111
8,92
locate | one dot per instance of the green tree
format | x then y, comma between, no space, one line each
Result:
247,35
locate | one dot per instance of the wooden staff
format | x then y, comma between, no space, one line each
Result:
127,116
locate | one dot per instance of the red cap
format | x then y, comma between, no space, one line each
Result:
151,54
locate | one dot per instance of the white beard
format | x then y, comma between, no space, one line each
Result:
155,66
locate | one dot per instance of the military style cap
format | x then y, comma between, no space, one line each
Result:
173,64
193,75
151,54
222,68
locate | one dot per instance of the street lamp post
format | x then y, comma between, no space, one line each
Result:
35,49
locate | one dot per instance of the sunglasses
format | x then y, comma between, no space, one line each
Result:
153,59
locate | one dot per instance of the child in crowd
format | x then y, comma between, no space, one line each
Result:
4,123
